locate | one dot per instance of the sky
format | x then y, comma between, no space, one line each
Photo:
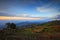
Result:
29,9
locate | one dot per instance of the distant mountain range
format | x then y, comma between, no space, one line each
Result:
23,23
32,22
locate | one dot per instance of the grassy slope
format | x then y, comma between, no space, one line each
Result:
47,31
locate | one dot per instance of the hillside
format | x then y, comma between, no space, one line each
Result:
46,31
52,27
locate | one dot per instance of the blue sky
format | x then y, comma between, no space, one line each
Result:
29,9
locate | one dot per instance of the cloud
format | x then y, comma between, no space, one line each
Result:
27,15
57,17
44,9
49,6
19,18
6,14
23,15
51,9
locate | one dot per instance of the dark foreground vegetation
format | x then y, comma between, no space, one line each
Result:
46,31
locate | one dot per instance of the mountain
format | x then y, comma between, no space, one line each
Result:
32,22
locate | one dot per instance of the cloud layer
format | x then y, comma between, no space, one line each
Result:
19,18
57,17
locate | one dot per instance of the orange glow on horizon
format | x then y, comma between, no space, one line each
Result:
17,18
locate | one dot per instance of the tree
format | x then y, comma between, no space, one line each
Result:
11,25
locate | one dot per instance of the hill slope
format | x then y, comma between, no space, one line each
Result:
46,26
46,31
